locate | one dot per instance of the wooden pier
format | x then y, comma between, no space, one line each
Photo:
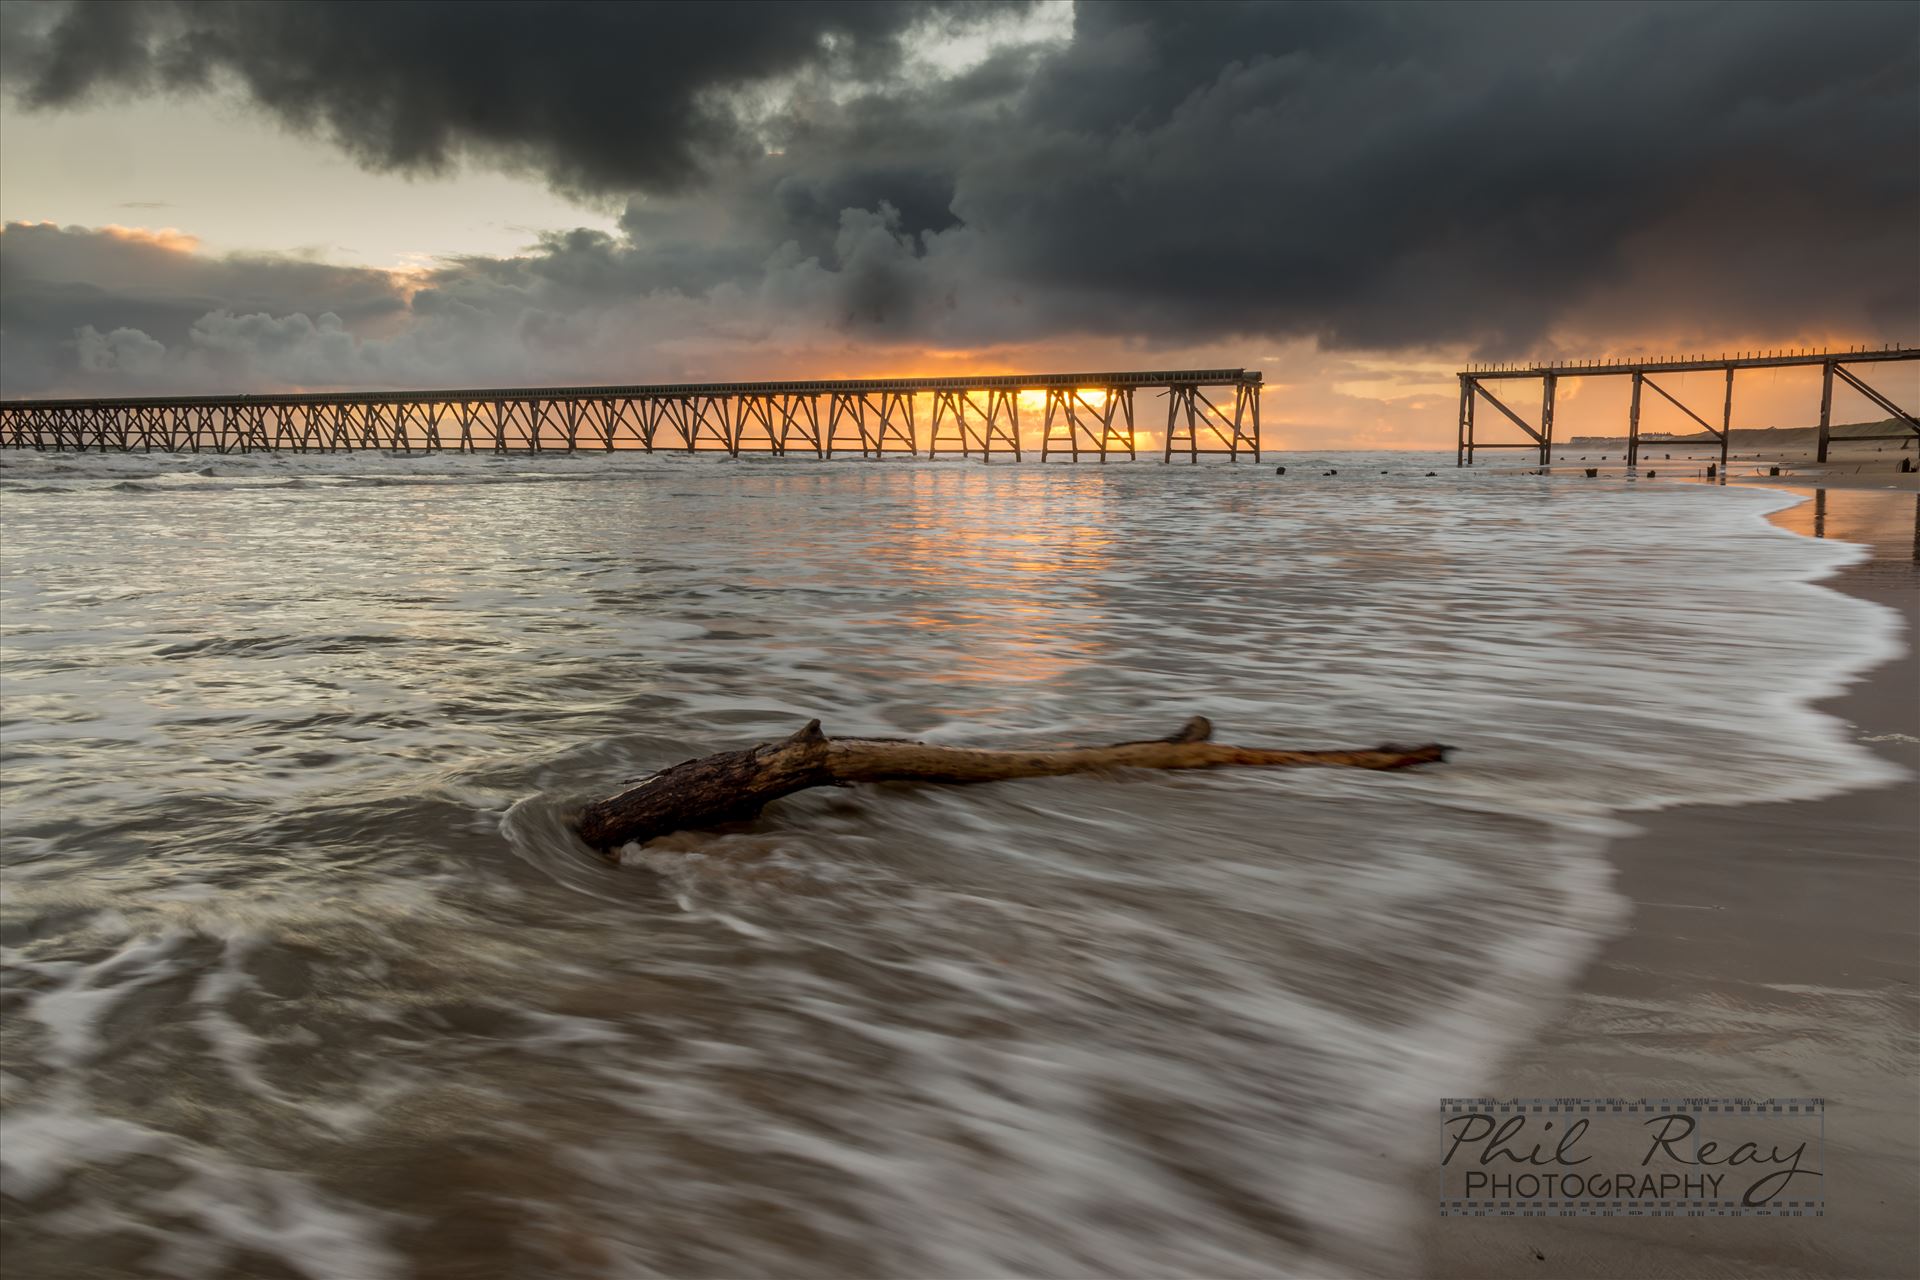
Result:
1086,415
1843,365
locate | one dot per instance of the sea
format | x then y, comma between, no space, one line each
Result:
306,976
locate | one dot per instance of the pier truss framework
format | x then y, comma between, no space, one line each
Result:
1841,365
1209,411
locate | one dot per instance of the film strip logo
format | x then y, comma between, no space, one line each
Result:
1643,1157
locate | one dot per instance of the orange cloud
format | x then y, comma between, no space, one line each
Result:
169,238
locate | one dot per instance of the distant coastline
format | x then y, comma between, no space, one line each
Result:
1746,438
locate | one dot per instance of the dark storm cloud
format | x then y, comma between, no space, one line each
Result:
595,96
114,302
1373,176
1383,175
56,275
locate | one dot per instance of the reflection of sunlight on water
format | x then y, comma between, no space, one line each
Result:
967,537
1888,521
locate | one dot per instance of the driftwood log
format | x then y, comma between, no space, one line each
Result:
735,784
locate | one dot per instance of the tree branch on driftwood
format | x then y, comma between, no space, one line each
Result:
736,784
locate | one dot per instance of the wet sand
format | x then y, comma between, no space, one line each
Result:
1880,480
1772,952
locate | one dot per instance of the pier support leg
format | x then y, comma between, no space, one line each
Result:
1253,411
1633,424
1726,423
1473,403
1461,428
1546,420
1826,409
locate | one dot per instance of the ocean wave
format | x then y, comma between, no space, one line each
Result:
288,846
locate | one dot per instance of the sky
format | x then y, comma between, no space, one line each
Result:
1355,199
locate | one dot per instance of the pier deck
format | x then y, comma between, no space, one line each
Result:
1841,365
1086,415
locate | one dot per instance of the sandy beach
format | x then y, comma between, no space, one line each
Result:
1770,953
